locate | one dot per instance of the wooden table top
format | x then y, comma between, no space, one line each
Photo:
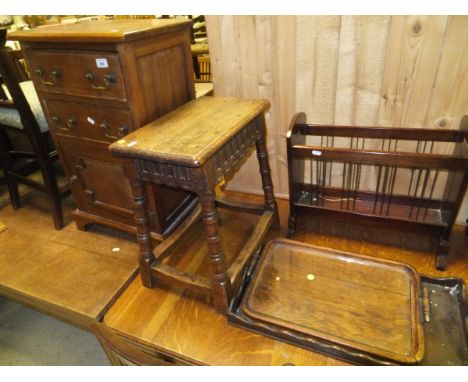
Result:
187,326
101,30
70,274
192,133
171,321
203,89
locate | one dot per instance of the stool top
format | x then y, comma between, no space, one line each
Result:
192,133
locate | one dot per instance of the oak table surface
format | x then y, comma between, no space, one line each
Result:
190,134
203,89
176,323
70,274
164,319
182,324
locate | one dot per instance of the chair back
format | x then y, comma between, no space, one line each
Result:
12,71
205,68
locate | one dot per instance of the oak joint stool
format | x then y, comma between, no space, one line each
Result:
193,148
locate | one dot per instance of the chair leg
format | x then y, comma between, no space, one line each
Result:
13,190
57,213
53,192
6,165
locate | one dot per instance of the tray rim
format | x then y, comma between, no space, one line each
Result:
417,334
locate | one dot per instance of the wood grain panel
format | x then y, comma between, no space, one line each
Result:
362,50
360,69
235,74
174,71
285,95
253,49
413,52
317,66
402,71
449,101
317,48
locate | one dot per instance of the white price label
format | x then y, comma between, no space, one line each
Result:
102,63
90,120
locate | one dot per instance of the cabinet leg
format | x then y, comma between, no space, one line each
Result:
442,253
81,224
220,283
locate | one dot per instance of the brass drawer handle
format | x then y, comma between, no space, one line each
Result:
109,79
123,130
56,74
69,124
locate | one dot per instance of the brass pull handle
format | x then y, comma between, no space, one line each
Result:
56,74
69,124
109,79
123,130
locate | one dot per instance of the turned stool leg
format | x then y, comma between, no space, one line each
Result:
220,283
267,184
146,256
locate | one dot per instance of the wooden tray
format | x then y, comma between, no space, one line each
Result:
357,308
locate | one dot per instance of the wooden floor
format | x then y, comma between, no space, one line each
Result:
77,276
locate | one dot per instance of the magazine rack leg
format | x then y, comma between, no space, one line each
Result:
442,253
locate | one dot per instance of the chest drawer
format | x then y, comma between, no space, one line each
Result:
87,73
89,121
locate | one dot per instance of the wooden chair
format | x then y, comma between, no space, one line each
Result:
22,113
205,68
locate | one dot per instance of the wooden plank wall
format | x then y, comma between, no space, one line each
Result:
408,71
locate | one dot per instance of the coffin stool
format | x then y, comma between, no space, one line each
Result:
194,147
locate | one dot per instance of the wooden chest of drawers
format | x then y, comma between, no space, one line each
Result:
98,81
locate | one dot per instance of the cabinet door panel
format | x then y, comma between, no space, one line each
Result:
100,186
98,180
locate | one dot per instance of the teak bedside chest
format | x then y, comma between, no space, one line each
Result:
98,81
193,148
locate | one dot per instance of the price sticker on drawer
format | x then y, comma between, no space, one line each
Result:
90,120
102,63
